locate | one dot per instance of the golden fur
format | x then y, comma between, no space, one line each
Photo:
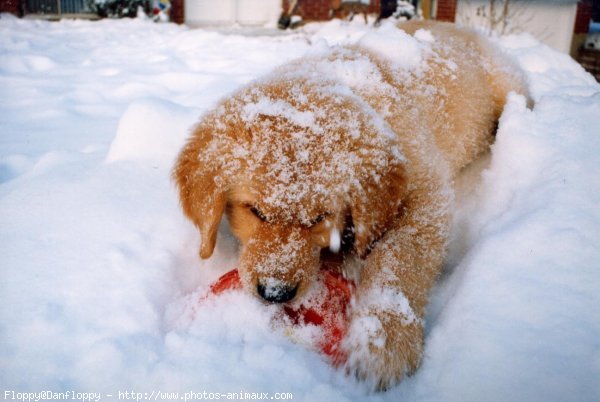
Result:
350,144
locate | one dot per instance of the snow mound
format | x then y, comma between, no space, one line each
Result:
12,166
548,70
404,50
526,307
27,63
153,131
336,32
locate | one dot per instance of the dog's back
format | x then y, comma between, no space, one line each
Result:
445,94
454,94
472,80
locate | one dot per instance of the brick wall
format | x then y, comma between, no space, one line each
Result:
446,10
177,11
583,17
314,10
11,6
318,10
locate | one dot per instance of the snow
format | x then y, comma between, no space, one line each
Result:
281,108
99,268
388,299
335,240
144,135
404,50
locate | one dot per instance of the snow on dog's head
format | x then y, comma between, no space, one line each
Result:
295,159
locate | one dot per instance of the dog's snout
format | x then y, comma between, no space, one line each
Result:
276,291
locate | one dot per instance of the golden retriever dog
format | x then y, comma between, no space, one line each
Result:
350,151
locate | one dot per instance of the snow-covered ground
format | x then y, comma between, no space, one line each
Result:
98,267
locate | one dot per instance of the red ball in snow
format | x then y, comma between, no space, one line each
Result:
327,309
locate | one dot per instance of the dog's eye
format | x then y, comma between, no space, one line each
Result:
257,212
319,219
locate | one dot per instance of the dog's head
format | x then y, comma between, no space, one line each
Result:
294,166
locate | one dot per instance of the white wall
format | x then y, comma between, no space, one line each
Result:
226,12
551,21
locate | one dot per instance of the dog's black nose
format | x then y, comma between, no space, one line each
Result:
276,293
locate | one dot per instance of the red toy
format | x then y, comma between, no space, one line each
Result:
327,309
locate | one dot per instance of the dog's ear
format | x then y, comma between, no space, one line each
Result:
202,198
375,206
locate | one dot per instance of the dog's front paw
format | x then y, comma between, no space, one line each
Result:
382,347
